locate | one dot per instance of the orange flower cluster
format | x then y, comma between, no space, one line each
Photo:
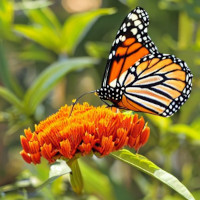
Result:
88,130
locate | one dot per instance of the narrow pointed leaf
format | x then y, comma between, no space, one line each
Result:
77,25
186,130
143,164
50,77
11,98
42,35
44,17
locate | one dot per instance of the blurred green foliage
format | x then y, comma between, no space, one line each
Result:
48,57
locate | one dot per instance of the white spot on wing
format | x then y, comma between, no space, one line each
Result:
125,29
140,26
133,17
123,38
137,22
134,31
117,41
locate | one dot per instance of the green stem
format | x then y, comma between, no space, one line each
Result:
76,176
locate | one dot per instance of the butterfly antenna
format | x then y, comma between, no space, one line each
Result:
75,102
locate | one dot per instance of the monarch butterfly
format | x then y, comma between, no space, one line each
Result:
139,78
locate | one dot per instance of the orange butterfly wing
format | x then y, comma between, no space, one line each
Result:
131,43
159,84
138,77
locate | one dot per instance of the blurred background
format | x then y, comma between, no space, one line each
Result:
52,51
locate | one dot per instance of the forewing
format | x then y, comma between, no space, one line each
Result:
131,44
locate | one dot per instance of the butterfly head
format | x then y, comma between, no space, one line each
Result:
110,93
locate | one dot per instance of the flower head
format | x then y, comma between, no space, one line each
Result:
88,130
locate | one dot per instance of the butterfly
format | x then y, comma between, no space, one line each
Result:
140,78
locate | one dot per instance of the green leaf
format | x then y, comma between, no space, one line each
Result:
143,164
50,77
186,130
37,54
95,182
58,169
45,17
46,29
43,35
77,26
11,98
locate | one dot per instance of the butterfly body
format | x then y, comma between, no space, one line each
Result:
139,78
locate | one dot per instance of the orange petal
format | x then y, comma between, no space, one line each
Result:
34,147
65,149
35,158
135,131
137,143
25,144
122,138
88,129
46,152
145,135
107,145
28,133
85,148
25,156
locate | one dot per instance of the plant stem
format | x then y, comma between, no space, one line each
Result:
76,176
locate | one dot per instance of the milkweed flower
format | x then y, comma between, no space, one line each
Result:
88,130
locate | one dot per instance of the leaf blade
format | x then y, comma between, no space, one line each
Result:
77,25
186,130
11,98
57,170
41,35
148,167
50,77
45,17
